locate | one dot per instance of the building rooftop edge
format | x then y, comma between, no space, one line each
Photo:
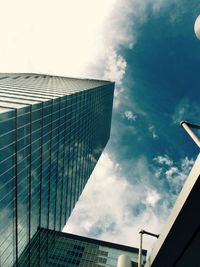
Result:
54,75
99,242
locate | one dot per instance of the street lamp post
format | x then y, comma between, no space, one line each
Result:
142,232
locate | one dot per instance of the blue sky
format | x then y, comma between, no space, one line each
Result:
150,155
149,49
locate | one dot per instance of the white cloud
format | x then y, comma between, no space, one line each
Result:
174,173
117,97
163,160
115,67
153,131
128,114
186,164
152,197
108,204
171,173
115,209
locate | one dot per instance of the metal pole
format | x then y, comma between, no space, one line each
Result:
140,247
140,250
186,125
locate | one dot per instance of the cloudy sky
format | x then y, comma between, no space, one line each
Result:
149,49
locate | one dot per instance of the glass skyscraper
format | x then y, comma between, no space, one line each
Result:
52,132
57,249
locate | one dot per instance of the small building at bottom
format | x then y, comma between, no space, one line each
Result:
49,248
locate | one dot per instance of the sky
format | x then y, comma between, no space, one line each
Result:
149,49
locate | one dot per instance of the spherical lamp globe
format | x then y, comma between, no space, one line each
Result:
197,27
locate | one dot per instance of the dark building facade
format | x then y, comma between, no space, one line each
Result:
57,249
52,132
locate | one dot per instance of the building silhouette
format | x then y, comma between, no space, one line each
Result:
53,248
52,132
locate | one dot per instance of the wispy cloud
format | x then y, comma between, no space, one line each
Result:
163,160
186,110
115,208
152,197
128,114
173,174
115,67
152,130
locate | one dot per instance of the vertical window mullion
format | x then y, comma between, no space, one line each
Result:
29,188
16,194
57,175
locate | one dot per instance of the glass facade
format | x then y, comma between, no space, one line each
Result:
52,132
57,249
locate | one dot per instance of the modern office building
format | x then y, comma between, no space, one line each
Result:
56,249
52,132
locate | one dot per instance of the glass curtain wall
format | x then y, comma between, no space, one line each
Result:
52,132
